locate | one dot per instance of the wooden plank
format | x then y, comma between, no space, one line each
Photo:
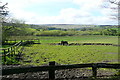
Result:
56,67
9,51
42,68
11,46
115,66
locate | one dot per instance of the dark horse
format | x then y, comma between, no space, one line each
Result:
64,43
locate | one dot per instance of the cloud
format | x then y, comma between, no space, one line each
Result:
88,5
72,16
88,12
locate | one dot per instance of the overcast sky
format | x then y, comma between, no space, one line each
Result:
60,11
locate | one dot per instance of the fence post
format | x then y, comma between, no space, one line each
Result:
12,51
4,56
8,49
15,40
94,69
8,52
52,72
11,48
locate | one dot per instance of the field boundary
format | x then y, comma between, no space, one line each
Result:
104,44
13,50
52,67
10,51
12,42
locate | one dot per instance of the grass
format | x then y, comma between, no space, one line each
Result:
82,39
44,53
76,39
70,54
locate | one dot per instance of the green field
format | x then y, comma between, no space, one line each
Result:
43,53
76,39
70,54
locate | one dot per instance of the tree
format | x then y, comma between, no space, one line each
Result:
3,14
11,26
115,8
115,2
15,27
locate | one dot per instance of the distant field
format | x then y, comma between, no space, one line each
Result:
76,39
43,53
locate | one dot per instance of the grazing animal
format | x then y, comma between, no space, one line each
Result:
64,43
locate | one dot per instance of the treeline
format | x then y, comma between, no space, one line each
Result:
110,32
18,29
98,30
104,30
44,27
15,29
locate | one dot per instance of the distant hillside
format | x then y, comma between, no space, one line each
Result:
15,29
70,26
60,26
67,26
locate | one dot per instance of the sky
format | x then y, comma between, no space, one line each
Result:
61,11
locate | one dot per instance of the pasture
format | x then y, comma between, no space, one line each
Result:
39,54
74,39
43,53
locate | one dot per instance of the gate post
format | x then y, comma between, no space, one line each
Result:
94,69
52,71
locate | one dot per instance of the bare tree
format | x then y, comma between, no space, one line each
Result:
117,2
3,12
114,5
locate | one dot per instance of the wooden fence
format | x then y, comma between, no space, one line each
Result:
16,41
13,50
10,51
52,67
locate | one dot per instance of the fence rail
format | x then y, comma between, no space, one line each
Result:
52,67
10,51
11,42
